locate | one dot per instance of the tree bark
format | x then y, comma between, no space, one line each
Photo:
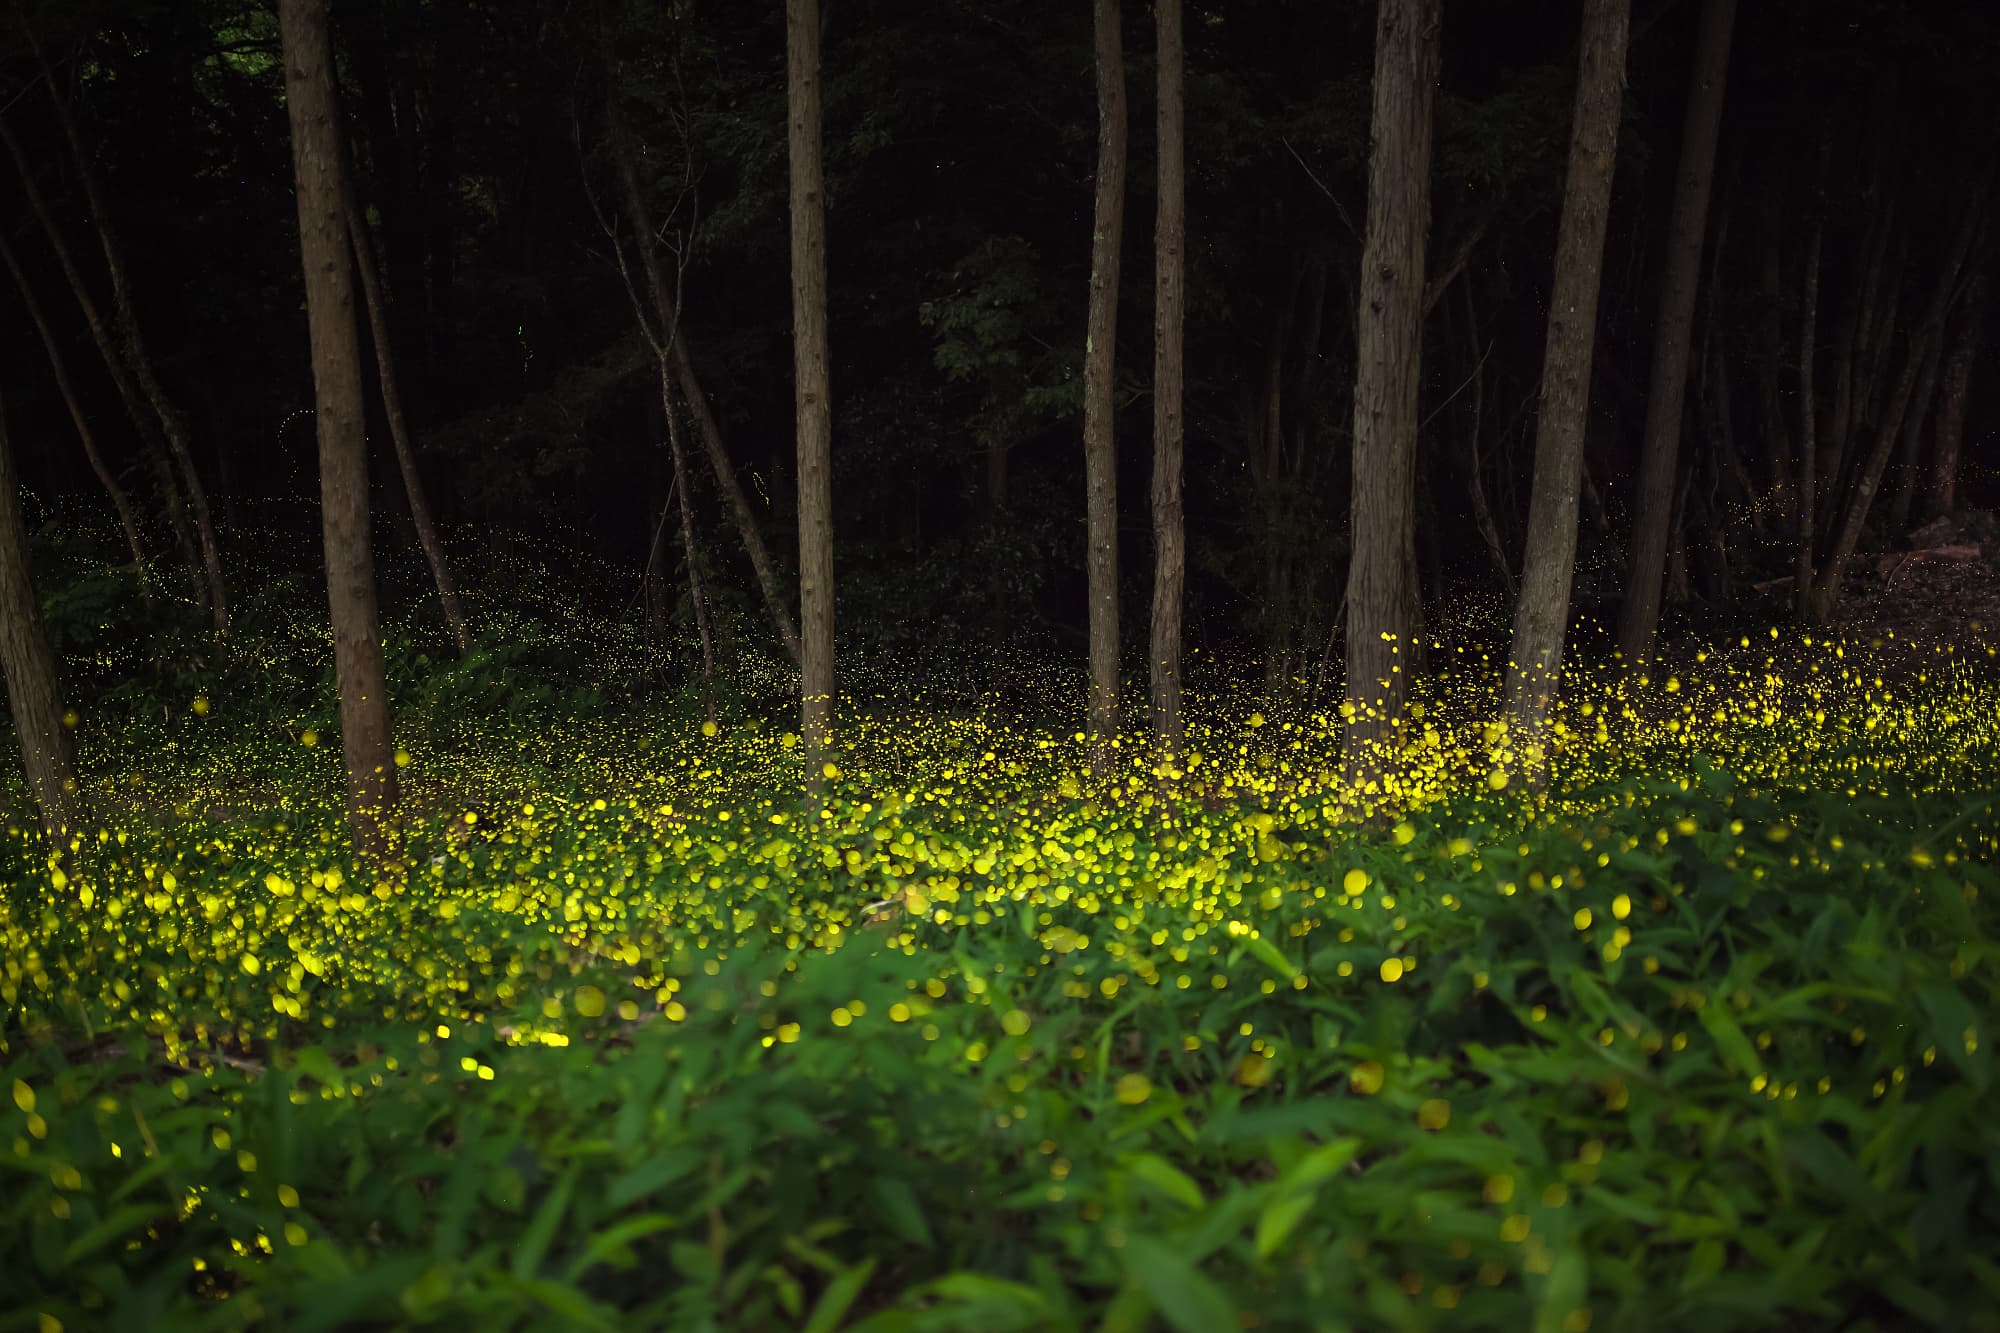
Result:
1941,495
809,360
1169,350
1541,616
34,699
1779,466
1475,472
1382,571
324,245
1808,500
1639,619
399,431
172,424
1910,451
666,310
1922,344
121,379
120,502
696,593
1100,443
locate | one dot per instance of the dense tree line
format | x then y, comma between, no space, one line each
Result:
1668,307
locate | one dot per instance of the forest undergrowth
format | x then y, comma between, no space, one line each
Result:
633,1034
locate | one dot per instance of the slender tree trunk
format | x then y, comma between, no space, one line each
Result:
34,699
1169,349
1923,342
1851,375
1808,505
1941,490
120,502
809,359
1910,452
1779,467
1100,442
399,431
666,310
1541,616
172,424
1666,395
324,245
1382,570
696,594
1475,471
121,379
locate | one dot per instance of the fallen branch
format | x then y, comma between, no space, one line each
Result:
1889,566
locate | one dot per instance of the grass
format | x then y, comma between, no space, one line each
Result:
636,1037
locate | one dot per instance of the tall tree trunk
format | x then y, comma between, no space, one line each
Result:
324,246
1924,339
1941,489
1779,467
1808,500
34,699
1475,478
121,378
1169,348
399,431
1541,616
809,360
1910,452
696,593
120,502
173,425
1382,570
666,313
1100,439
1666,394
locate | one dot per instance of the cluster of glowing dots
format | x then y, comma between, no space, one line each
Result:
666,850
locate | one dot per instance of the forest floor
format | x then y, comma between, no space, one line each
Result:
1942,585
1700,1035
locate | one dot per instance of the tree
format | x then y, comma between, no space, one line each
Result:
1924,342
1382,571
1100,349
671,347
1541,615
143,423
59,368
1941,495
343,451
1169,348
811,390
1653,510
399,430
133,347
1808,506
33,698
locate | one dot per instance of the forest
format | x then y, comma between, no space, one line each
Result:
999,664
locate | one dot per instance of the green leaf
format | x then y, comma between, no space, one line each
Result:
1280,1216
896,1203
1269,954
839,1295
1735,1047
1180,1293
121,1221
651,1176
1296,1190
614,1242
574,1308
541,1230
1165,1178
1563,1291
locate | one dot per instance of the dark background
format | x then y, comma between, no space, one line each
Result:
960,142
